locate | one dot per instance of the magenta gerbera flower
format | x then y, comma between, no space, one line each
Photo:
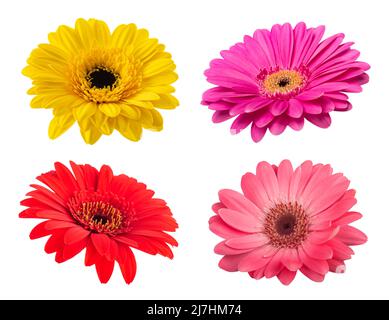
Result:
281,77
287,221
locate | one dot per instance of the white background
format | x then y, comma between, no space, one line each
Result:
192,158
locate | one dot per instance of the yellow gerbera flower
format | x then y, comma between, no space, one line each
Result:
102,80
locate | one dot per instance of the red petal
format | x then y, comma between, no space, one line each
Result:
48,201
69,251
66,177
40,231
104,269
105,178
91,254
91,176
127,263
79,175
102,244
55,242
75,234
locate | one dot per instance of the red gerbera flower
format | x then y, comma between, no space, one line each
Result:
104,213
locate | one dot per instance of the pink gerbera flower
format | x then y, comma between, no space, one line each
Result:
287,221
281,77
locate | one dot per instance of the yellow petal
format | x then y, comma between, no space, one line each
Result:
91,134
155,67
142,104
146,118
110,109
160,79
123,35
85,32
130,112
166,101
157,120
99,119
59,124
84,111
132,130
66,38
108,126
101,32
145,96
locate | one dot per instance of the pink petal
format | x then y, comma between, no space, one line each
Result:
351,236
217,206
291,259
320,252
238,202
337,266
241,221
320,237
253,190
314,276
286,276
275,265
347,218
341,251
230,263
220,228
318,266
284,175
253,260
250,241
223,249
266,174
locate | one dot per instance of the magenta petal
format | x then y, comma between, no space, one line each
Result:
264,119
240,123
321,120
296,108
221,116
277,127
279,107
257,134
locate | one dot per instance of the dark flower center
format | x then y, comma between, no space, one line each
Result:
102,78
282,83
100,218
286,225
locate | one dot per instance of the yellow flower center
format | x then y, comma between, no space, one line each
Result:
283,82
105,75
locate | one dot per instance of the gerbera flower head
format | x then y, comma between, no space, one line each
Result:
106,214
102,80
287,221
281,77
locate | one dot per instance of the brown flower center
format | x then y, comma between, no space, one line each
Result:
286,225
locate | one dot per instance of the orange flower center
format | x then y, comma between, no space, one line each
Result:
286,225
283,82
